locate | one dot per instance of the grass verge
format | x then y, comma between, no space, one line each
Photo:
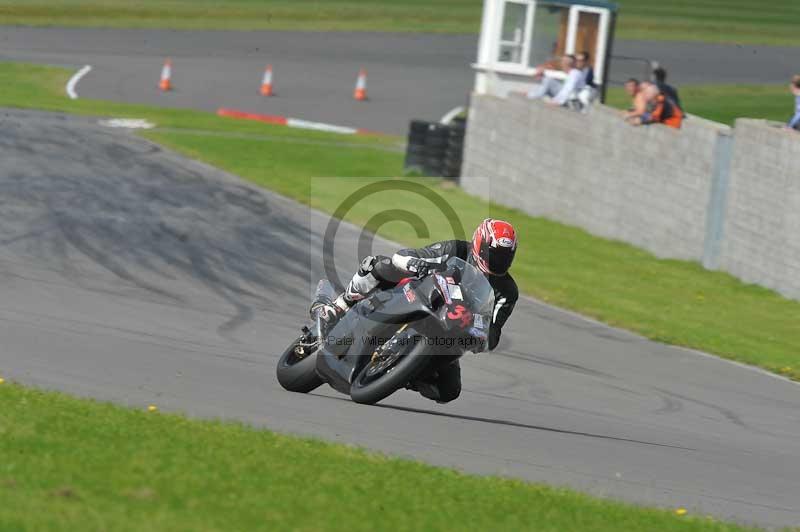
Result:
675,302
730,21
70,464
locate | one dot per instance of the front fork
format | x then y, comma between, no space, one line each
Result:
310,340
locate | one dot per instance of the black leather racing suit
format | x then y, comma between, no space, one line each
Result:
389,271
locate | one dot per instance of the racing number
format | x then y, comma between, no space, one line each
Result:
460,312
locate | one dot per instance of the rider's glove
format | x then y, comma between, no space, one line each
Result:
421,267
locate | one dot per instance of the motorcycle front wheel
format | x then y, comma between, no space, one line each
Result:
297,370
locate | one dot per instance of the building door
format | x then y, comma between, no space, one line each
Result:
588,32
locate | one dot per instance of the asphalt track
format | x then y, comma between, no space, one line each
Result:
410,76
131,274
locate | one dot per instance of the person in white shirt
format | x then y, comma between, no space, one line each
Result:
559,90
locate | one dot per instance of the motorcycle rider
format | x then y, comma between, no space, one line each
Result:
492,250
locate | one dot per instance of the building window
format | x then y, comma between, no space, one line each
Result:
549,35
512,37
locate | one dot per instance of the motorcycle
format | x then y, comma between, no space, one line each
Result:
393,339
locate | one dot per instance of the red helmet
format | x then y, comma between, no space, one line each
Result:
494,244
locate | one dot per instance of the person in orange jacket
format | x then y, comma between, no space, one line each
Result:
660,109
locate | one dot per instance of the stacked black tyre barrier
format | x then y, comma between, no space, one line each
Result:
453,155
415,148
435,149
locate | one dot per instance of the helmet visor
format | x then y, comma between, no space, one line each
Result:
500,260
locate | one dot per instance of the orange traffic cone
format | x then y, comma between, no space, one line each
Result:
360,93
166,77
266,83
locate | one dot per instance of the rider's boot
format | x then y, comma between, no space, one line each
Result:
330,312
359,287
426,387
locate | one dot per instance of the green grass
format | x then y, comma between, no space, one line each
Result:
70,464
733,21
726,103
771,22
441,16
671,301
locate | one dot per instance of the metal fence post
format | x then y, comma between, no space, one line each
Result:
718,201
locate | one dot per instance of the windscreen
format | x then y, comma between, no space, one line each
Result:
478,293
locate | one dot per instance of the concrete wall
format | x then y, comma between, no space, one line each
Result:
761,233
728,198
648,186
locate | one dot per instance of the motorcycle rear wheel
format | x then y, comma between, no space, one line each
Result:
368,390
298,373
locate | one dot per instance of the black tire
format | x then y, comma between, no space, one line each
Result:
435,151
406,369
438,131
456,145
451,174
451,163
432,170
419,127
416,152
452,166
415,159
451,171
453,155
457,132
436,144
298,374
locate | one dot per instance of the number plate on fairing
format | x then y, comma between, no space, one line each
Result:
462,315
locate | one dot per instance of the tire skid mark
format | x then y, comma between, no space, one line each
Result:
730,415
132,211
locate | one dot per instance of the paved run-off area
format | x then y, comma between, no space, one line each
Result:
131,274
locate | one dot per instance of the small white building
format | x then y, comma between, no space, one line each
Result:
519,35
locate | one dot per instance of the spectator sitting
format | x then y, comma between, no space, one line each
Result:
559,91
660,109
589,92
794,123
635,90
583,64
660,77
